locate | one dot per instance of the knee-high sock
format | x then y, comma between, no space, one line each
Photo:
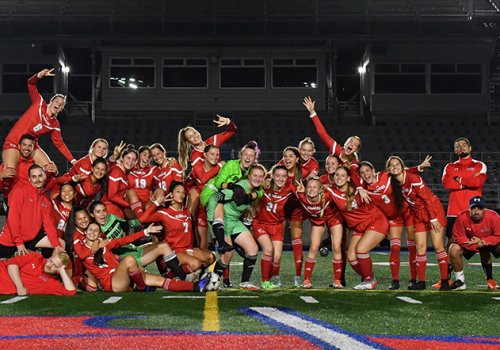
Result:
365,265
309,268
248,265
394,257
178,286
218,230
266,267
412,258
136,277
220,268
488,270
276,269
227,273
337,269
137,208
421,266
173,264
355,266
298,256
442,260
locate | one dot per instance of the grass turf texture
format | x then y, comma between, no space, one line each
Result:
469,313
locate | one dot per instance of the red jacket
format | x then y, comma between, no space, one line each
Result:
470,185
488,229
36,122
29,212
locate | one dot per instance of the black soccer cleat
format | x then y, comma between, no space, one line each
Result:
444,285
420,285
458,285
394,285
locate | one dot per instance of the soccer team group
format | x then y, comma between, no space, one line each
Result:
98,226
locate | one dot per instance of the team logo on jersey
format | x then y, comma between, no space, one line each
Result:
470,169
37,127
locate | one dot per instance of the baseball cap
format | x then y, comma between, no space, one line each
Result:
476,202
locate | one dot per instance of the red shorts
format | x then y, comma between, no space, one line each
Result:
407,216
201,219
294,210
397,222
107,282
422,218
333,217
377,223
144,196
115,210
275,231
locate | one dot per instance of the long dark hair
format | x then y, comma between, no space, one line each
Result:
397,188
71,227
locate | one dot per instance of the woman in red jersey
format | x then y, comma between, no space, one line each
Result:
62,206
168,168
114,276
115,196
347,153
178,230
267,227
368,224
317,204
39,119
428,218
190,139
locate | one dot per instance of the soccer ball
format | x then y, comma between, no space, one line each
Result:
323,251
214,281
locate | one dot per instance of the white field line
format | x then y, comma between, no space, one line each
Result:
403,263
13,300
218,297
309,300
479,264
112,300
409,300
496,298
329,336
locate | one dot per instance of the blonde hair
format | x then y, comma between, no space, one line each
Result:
183,146
64,258
350,193
309,141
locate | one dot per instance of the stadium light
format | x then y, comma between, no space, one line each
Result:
132,85
361,69
65,69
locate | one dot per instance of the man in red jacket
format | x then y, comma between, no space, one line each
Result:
475,230
464,179
29,223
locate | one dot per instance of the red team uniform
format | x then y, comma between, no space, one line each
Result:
488,229
470,185
177,226
114,199
32,276
141,180
166,175
36,122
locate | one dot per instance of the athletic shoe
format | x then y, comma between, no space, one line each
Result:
267,285
276,280
437,285
307,284
445,285
337,284
202,283
411,283
248,286
458,285
227,283
420,285
366,285
394,285
492,284
298,281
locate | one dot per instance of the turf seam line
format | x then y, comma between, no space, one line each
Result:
309,299
13,300
409,300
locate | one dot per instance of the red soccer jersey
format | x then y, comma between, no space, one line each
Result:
199,176
488,229
141,180
316,212
325,180
32,276
473,176
418,195
29,212
82,166
60,215
177,226
272,205
306,168
36,122
196,157
164,176
117,188
104,273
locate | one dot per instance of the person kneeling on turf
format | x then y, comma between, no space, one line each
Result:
475,230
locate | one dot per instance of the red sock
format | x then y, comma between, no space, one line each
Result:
308,269
186,268
394,258
276,269
337,269
136,277
177,285
298,256
225,275
355,266
266,267
421,266
365,265
137,208
412,259
442,259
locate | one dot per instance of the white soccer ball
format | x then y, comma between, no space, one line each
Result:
214,281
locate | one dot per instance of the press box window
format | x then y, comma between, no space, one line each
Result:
185,73
242,73
134,73
295,73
